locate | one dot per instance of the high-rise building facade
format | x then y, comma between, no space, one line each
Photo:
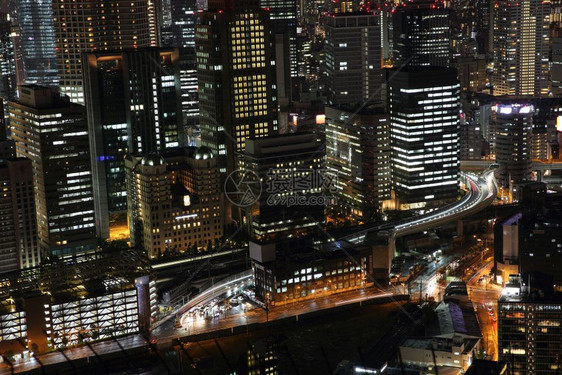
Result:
236,77
84,26
353,58
294,186
421,35
513,123
358,154
133,105
35,43
424,133
484,16
283,20
53,133
180,33
472,73
529,328
174,202
18,221
556,66
521,47
7,59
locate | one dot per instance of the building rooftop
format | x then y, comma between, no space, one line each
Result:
453,319
441,343
82,277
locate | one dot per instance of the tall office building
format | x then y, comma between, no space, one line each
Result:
84,26
180,33
133,106
294,186
521,47
178,29
513,123
155,13
283,20
52,132
421,34
529,323
18,221
358,154
7,59
472,73
484,19
174,200
236,77
353,58
387,33
35,43
424,134
556,67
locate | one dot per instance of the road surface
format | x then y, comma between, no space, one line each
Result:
482,192
238,317
484,295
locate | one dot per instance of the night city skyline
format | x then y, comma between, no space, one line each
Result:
281,187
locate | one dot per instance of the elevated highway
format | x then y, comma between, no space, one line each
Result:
482,191
538,165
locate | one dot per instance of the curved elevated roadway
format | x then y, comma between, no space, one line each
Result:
481,193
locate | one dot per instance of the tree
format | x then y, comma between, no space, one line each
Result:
193,249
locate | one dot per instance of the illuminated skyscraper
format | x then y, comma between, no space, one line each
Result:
353,58
424,134
35,43
180,33
521,47
83,26
358,154
513,127
529,325
18,220
52,132
236,73
154,8
289,166
421,35
7,60
132,101
283,20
